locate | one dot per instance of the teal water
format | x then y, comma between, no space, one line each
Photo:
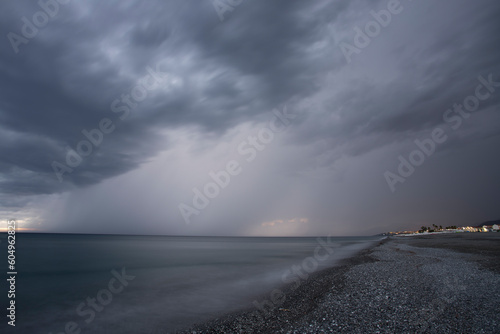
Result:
176,282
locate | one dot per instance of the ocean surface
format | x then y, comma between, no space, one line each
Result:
154,284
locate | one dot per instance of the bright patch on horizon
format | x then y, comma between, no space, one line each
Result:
283,221
19,229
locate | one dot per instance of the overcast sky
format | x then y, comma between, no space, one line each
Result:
325,117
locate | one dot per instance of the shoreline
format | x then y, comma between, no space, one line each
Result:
415,284
297,303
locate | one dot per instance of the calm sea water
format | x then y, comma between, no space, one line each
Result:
177,281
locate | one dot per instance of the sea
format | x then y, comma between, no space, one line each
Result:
78,283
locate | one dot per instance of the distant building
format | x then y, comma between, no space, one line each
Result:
469,229
486,228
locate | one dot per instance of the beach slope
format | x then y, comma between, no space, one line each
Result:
421,284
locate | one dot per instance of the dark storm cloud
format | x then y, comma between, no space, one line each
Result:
458,45
221,74
62,82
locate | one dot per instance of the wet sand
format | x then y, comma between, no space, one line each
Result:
419,284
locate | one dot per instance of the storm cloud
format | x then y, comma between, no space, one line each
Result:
111,113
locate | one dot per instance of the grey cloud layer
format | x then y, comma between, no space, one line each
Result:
65,79
265,54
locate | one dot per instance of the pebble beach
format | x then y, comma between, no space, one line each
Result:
447,283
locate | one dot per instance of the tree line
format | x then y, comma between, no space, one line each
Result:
436,228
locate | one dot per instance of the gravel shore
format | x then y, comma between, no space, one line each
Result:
403,285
